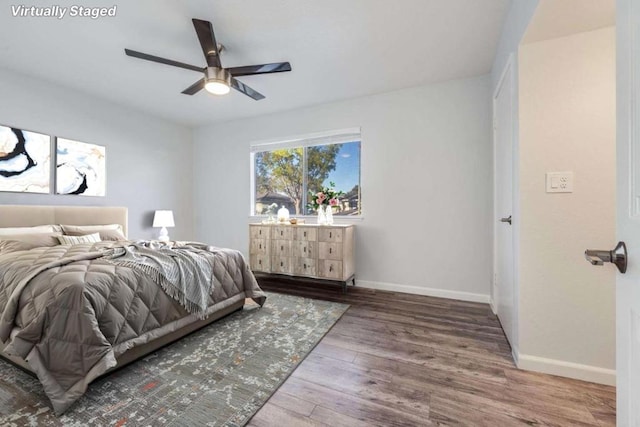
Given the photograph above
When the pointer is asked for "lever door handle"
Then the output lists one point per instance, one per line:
(506, 219)
(617, 256)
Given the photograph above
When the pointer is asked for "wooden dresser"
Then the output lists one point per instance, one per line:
(315, 251)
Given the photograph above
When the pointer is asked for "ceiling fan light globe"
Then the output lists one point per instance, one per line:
(217, 87)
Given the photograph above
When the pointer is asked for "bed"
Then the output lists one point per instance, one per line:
(69, 315)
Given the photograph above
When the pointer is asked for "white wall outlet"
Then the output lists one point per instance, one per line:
(559, 182)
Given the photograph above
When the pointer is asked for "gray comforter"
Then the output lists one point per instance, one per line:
(69, 313)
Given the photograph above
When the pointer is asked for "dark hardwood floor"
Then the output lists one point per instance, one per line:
(404, 360)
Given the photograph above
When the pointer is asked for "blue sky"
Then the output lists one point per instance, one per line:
(347, 173)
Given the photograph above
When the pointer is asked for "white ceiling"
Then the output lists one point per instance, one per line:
(338, 49)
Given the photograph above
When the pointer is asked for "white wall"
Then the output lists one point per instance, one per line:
(148, 159)
(426, 183)
(567, 123)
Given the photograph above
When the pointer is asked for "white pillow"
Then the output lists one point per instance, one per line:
(76, 240)
(8, 231)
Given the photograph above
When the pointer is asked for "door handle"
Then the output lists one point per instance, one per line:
(617, 256)
(506, 219)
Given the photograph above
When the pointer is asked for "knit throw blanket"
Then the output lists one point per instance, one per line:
(184, 273)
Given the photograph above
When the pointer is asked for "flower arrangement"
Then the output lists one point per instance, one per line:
(328, 196)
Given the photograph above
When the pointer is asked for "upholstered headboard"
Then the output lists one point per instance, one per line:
(31, 215)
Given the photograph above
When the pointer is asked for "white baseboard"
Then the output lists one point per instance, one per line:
(566, 369)
(419, 290)
(515, 354)
(492, 301)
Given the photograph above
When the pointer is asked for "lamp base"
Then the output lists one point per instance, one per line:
(164, 235)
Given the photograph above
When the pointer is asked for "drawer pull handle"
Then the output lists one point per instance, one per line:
(330, 234)
(260, 245)
(331, 268)
(281, 247)
(281, 232)
(281, 264)
(305, 234)
(305, 266)
(305, 249)
(260, 261)
(330, 249)
(260, 232)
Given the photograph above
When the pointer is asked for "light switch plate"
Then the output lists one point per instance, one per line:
(559, 182)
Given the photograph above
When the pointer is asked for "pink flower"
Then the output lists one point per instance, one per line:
(333, 202)
(321, 197)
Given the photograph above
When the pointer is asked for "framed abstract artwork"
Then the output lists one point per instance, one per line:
(25, 161)
(80, 168)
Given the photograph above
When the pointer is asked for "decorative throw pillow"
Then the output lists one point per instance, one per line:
(76, 240)
(107, 232)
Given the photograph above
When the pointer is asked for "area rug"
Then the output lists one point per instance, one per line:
(218, 376)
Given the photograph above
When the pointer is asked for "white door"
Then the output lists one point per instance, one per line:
(628, 211)
(503, 291)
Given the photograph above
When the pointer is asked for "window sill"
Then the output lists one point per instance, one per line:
(311, 219)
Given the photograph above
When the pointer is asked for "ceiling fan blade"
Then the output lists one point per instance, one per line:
(152, 58)
(249, 70)
(194, 88)
(241, 87)
(207, 39)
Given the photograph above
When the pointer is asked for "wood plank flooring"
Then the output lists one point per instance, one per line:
(404, 360)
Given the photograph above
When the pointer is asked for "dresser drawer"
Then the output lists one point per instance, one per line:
(260, 263)
(331, 234)
(259, 231)
(305, 267)
(305, 249)
(258, 246)
(309, 234)
(281, 265)
(330, 269)
(281, 248)
(330, 251)
(282, 232)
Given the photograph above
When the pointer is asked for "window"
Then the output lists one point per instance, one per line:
(284, 173)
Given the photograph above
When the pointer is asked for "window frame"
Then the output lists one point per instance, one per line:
(303, 141)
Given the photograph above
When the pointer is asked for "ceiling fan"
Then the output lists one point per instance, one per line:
(217, 80)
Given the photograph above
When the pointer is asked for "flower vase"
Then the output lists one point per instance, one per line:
(329, 215)
(322, 219)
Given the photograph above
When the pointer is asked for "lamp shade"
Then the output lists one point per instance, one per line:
(163, 219)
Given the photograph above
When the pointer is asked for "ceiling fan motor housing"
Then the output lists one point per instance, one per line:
(213, 74)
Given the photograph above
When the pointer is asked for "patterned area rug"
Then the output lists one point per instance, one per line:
(218, 376)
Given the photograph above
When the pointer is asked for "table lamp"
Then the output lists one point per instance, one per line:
(163, 219)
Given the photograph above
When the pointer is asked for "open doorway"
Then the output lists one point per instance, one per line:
(564, 162)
